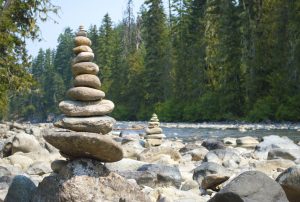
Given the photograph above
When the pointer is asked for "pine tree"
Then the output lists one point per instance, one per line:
(156, 61)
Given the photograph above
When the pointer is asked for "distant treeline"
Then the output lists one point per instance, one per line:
(201, 60)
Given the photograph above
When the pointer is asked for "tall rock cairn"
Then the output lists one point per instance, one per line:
(154, 135)
(85, 113)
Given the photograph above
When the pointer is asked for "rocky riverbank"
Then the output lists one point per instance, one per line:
(203, 170)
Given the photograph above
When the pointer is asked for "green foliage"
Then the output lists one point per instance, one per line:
(18, 21)
(210, 60)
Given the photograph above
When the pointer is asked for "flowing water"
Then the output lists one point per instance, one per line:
(196, 131)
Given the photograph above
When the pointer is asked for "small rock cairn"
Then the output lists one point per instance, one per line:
(154, 135)
(85, 123)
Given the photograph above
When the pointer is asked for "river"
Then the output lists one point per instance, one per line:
(195, 131)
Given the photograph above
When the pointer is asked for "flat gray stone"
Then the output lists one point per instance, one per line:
(87, 80)
(85, 94)
(84, 57)
(84, 145)
(85, 68)
(82, 41)
(94, 108)
(97, 124)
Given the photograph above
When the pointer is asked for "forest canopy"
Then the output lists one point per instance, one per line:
(200, 60)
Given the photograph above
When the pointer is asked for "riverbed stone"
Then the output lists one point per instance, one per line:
(93, 108)
(84, 145)
(84, 57)
(153, 154)
(247, 141)
(225, 157)
(24, 142)
(85, 94)
(85, 68)
(82, 41)
(21, 189)
(212, 144)
(218, 173)
(96, 124)
(251, 186)
(82, 48)
(87, 80)
(85, 180)
(290, 182)
(273, 142)
(167, 175)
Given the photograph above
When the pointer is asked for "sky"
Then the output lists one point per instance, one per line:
(78, 12)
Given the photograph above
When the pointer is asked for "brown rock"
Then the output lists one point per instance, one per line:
(85, 94)
(80, 49)
(78, 108)
(87, 80)
(82, 41)
(84, 145)
(85, 68)
(84, 57)
(96, 124)
(85, 180)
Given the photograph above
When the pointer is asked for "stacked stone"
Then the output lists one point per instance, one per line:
(85, 112)
(154, 135)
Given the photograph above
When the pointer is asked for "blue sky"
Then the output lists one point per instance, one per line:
(76, 12)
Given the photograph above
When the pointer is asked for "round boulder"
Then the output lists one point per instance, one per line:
(290, 182)
(251, 186)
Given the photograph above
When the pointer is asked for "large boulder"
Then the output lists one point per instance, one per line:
(286, 153)
(209, 175)
(132, 148)
(198, 154)
(23, 142)
(273, 142)
(212, 144)
(251, 186)
(84, 145)
(225, 157)
(290, 182)
(84, 180)
(165, 175)
(21, 189)
(247, 141)
(153, 154)
(272, 166)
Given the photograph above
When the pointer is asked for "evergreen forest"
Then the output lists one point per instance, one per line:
(192, 60)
